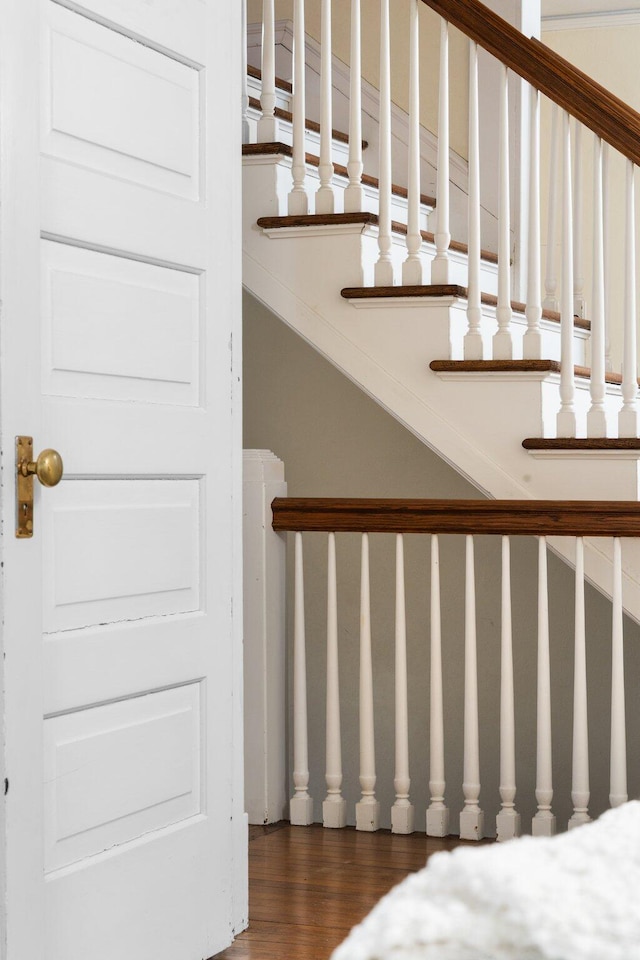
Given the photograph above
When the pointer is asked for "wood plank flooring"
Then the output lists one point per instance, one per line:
(308, 886)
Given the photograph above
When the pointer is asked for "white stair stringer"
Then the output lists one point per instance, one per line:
(475, 422)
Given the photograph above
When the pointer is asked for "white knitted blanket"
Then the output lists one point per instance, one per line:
(571, 897)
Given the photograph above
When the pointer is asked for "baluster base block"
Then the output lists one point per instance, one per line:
(629, 423)
(543, 825)
(353, 199)
(472, 825)
(502, 346)
(368, 816)
(438, 822)
(473, 347)
(325, 200)
(440, 270)
(402, 818)
(508, 825)
(412, 272)
(298, 203)
(301, 811)
(383, 274)
(532, 346)
(268, 131)
(334, 814)
(578, 819)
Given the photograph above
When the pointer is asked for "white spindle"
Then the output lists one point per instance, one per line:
(402, 812)
(544, 822)
(508, 820)
(334, 808)
(566, 420)
(298, 200)
(597, 417)
(628, 420)
(580, 766)
(384, 267)
(551, 279)
(578, 265)
(502, 342)
(325, 200)
(471, 817)
(301, 805)
(354, 194)
(412, 271)
(473, 347)
(532, 342)
(368, 809)
(245, 87)
(606, 220)
(618, 782)
(440, 267)
(437, 812)
(268, 122)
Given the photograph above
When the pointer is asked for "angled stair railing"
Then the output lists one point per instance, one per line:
(441, 519)
(427, 259)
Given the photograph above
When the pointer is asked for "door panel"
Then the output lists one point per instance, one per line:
(120, 690)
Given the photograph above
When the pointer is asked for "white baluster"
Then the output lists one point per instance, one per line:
(597, 416)
(580, 766)
(268, 131)
(473, 346)
(440, 267)
(628, 421)
(502, 342)
(412, 271)
(325, 200)
(471, 817)
(334, 808)
(383, 274)
(578, 265)
(298, 200)
(566, 419)
(618, 782)
(301, 805)
(551, 280)
(246, 136)
(354, 194)
(508, 820)
(437, 812)
(544, 822)
(402, 812)
(532, 342)
(368, 809)
(606, 220)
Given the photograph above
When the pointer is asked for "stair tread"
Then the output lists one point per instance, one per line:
(313, 125)
(280, 84)
(364, 217)
(447, 290)
(285, 149)
(515, 366)
(581, 443)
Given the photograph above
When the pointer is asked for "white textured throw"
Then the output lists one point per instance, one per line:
(571, 897)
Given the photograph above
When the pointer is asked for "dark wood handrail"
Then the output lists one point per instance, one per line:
(607, 115)
(567, 518)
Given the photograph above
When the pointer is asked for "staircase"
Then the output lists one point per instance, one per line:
(479, 378)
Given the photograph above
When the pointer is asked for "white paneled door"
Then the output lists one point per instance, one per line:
(120, 297)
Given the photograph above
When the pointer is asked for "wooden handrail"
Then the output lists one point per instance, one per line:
(607, 115)
(569, 518)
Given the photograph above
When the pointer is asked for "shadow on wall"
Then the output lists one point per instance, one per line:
(336, 441)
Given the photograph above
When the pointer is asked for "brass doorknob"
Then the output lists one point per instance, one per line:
(48, 468)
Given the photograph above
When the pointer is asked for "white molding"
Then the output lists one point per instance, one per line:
(590, 21)
(568, 454)
(370, 99)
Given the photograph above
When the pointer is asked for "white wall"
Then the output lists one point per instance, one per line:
(335, 441)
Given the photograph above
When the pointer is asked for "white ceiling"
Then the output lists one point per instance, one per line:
(566, 8)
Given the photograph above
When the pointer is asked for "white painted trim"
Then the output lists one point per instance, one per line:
(370, 99)
(567, 454)
(591, 21)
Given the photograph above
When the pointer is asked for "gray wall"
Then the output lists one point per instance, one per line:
(335, 441)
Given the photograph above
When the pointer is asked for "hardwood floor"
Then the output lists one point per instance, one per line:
(308, 886)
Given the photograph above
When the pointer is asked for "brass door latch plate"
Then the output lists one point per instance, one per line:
(47, 468)
(24, 488)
